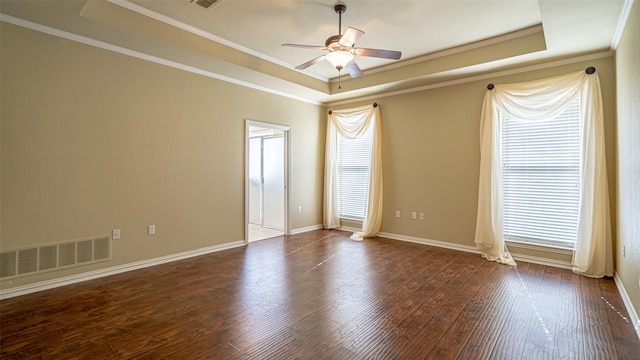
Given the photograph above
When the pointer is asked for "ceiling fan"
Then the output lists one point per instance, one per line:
(342, 50)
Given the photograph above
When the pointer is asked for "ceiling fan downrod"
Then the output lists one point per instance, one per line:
(340, 9)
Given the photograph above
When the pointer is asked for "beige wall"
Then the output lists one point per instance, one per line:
(93, 140)
(431, 154)
(628, 91)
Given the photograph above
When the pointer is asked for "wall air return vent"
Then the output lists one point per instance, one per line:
(206, 3)
(37, 259)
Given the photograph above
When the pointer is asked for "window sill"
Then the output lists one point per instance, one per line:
(351, 219)
(539, 247)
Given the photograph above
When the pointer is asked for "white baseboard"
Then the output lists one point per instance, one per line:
(417, 240)
(628, 304)
(67, 280)
(306, 229)
(473, 249)
(437, 243)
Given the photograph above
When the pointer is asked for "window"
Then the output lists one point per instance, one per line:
(544, 172)
(541, 178)
(354, 159)
(353, 170)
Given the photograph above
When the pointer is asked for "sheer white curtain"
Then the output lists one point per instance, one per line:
(351, 124)
(543, 100)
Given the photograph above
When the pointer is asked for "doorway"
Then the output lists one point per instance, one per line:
(266, 180)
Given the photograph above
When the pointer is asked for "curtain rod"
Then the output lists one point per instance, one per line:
(374, 105)
(590, 70)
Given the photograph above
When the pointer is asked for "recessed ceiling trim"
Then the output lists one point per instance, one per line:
(458, 49)
(197, 31)
(136, 54)
(419, 73)
(484, 76)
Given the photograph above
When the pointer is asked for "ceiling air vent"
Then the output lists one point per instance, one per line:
(205, 3)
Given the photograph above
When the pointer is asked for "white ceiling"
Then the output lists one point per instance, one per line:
(240, 40)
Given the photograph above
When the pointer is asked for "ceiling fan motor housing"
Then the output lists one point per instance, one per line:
(332, 40)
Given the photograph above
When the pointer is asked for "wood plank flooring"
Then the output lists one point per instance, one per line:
(319, 295)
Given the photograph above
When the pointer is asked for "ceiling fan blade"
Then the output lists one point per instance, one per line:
(310, 62)
(386, 54)
(350, 37)
(313, 47)
(353, 69)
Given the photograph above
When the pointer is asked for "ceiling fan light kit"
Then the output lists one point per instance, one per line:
(342, 51)
(339, 58)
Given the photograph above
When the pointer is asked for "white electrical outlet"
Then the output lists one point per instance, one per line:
(397, 213)
(115, 234)
(152, 230)
(414, 215)
(422, 216)
(299, 209)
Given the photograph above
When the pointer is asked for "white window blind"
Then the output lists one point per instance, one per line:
(354, 159)
(541, 178)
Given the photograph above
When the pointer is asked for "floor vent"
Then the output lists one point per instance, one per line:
(32, 260)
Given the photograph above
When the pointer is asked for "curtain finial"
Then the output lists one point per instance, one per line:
(590, 70)
(490, 87)
(330, 112)
(375, 105)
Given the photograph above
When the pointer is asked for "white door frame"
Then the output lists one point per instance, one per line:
(286, 130)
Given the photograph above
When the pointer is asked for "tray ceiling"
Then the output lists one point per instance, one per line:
(240, 40)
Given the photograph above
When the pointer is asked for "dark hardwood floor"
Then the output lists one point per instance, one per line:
(319, 295)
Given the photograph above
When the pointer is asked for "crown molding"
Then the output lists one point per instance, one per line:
(378, 95)
(458, 49)
(140, 55)
(197, 31)
(622, 23)
(483, 76)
